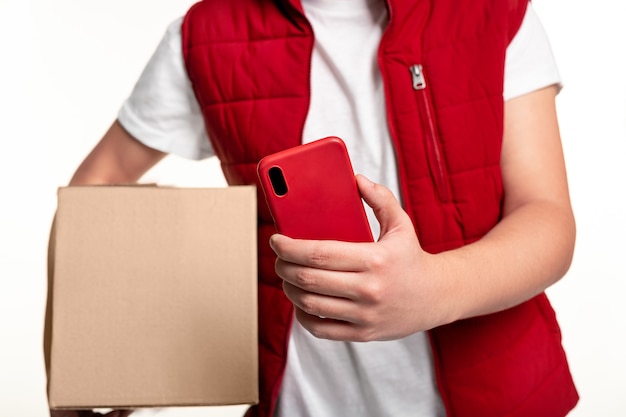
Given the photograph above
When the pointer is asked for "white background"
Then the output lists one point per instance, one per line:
(67, 65)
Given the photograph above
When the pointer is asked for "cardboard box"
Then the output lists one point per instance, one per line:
(153, 297)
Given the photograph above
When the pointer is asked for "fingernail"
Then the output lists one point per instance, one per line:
(367, 180)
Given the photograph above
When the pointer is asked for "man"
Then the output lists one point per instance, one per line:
(447, 109)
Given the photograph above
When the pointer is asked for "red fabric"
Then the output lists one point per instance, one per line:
(249, 63)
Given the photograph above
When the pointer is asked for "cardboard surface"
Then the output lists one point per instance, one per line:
(154, 297)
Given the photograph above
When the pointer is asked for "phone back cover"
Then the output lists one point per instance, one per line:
(322, 200)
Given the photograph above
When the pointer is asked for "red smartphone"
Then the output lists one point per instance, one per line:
(312, 193)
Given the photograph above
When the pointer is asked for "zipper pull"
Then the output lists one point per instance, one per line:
(419, 82)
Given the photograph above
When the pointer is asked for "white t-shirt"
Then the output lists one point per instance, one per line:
(327, 378)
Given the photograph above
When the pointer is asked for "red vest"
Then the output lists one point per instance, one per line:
(249, 63)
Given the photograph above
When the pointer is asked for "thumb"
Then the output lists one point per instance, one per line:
(387, 209)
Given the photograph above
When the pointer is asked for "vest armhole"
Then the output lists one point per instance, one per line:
(516, 16)
(185, 32)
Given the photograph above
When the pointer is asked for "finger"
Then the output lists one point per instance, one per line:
(322, 254)
(321, 281)
(322, 305)
(387, 208)
(119, 413)
(331, 329)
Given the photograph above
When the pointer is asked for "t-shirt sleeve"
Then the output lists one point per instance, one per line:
(530, 63)
(161, 111)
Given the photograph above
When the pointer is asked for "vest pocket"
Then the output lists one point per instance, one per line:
(432, 140)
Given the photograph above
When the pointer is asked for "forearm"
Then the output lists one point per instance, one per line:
(117, 159)
(529, 250)
(532, 246)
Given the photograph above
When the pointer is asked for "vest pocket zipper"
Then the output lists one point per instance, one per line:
(431, 134)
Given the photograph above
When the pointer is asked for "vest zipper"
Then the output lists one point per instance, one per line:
(431, 134)
(419, 83)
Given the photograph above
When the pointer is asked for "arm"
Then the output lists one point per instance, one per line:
(117, 159)
(392, 288)
(532, 247)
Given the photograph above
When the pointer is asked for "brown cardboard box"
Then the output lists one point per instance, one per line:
(153, 297)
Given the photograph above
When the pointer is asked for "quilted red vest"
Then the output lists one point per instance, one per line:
(442, 65)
